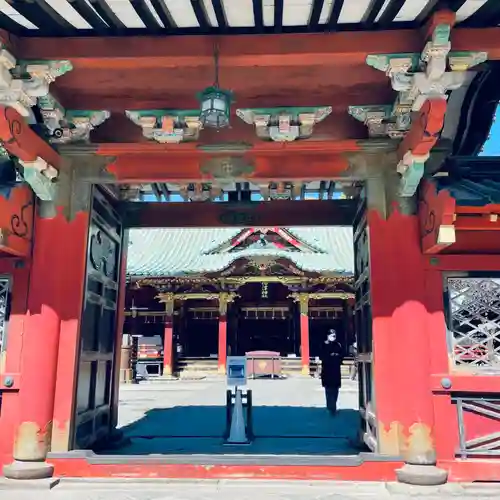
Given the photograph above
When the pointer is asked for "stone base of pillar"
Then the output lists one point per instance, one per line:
(28, 470)
(422, 475)
(305, 370)
(221, 370)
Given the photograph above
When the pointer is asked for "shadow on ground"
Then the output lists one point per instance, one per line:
(278, 430)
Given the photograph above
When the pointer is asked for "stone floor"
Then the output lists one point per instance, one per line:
(243, 490)
(189, 417)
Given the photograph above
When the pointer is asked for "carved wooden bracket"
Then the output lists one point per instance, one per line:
(303, 301)
(64, 126)
(415, 149)
(284, 124)
(22, 83)
(422, 82)
(168, 126)
(437, 214)
(225, 298)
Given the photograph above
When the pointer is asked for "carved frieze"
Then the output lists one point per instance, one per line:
(228, 168)
(280, 191)
(168, 126)
(284, 124)
(65, 126)
(200, 191)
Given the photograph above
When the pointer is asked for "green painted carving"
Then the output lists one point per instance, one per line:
(43, 187)
(284, 123)
(441, 34)
(41, 69)
(168, 125)
(394, 63)
(462, 61)
(410, 179)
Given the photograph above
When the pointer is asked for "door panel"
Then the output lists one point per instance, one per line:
(363, 327)
(99, 322)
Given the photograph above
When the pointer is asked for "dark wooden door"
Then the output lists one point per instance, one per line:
(363, 326)
(94, 395)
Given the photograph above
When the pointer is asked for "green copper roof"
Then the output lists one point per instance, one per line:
(181, 252)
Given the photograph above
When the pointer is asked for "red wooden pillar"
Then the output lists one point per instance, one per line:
(225, 298)
(222, 354)
(401, 346)
(303, 300)
(168, 339)
(47, 295)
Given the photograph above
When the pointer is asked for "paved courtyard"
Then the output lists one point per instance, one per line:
(189, 417)
(245, 490)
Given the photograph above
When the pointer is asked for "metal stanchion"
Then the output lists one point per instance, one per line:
(244, 400)
(249, 407)
(229, 412)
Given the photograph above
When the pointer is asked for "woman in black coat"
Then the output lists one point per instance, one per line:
(331, 363)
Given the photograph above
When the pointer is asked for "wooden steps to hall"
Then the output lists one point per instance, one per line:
(206, 367)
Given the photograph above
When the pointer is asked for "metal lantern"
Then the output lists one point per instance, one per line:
(215, 107)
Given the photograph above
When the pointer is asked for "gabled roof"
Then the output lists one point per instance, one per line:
(184, 252)
(173, 17)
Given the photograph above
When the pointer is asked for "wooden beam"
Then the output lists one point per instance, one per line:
(305, 161)
(244, 50)
(19, 139)
(275, 213)
(237, 51)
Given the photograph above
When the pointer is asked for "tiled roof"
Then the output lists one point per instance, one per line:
(470, 193)
(180, 252)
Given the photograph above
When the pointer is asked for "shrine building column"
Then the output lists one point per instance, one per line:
(54, 301)
(225, 298)
(401, 337)
(168, 299)
(303, 301)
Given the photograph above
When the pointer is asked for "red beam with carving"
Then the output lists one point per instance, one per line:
(16, 222)
(264, 162)
(19, 140)
(435, 210)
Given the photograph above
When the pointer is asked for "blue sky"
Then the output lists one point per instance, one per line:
(492, 145)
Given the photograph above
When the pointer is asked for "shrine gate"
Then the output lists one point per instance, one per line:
(374, 114)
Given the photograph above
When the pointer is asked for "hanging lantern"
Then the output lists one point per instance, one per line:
(215, 102)
(215, 107)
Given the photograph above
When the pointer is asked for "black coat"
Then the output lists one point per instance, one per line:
(331, 362)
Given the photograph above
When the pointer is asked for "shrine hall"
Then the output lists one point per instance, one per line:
(213, 292)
